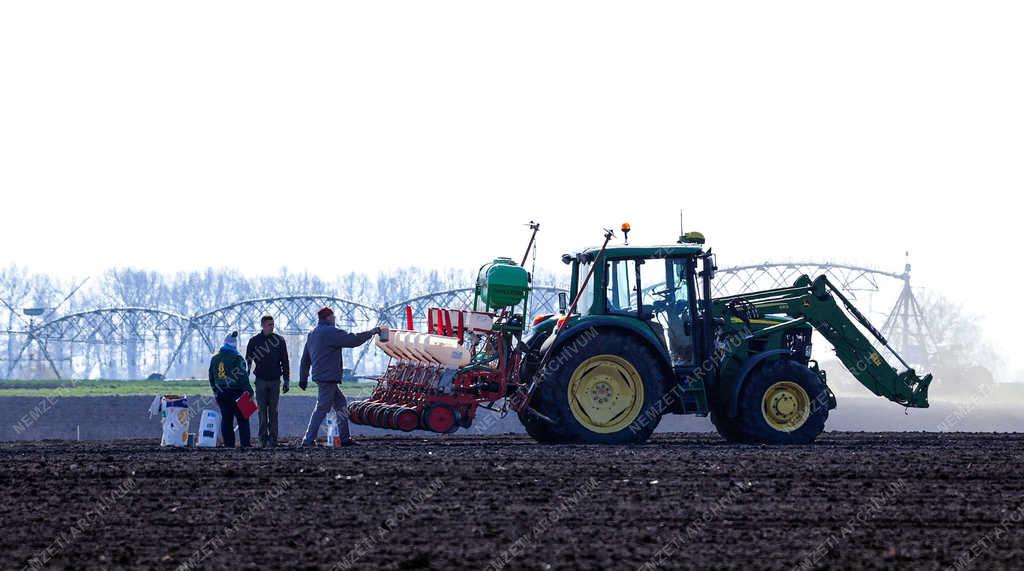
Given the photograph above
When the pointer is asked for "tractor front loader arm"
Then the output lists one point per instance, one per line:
(816, 303)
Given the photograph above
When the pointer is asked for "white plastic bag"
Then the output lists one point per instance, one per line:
(209, 429)
(154, 407)
(174, 411)
(332, 428)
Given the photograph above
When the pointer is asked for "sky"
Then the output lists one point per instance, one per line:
(335, 137)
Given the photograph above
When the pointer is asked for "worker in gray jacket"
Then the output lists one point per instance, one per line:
(322, 355)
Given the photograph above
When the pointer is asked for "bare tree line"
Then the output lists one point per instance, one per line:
(188, 293)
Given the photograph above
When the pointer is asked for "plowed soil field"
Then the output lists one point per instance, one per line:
(865, 500)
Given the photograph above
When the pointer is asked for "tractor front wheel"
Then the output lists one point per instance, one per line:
(605, 390)
(783, 402)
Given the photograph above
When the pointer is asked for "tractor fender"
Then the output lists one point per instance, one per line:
(595, 324)
(539, 334)
(748, 367)
(534, 342)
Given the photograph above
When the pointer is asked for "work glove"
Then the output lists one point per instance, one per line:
(284, 388)
(303, 383)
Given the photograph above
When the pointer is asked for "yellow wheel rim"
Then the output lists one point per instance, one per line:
(786, 406)
(606, 393)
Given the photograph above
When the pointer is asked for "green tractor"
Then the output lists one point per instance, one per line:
(643, 337)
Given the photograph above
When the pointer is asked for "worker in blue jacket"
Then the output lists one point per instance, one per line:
(323, 358)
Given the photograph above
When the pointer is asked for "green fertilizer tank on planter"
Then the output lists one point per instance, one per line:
(502, 283)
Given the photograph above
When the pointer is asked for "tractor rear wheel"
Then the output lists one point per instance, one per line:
(607, 390)
(783, 402)
(535, 426)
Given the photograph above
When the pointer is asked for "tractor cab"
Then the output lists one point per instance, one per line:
(653, 284)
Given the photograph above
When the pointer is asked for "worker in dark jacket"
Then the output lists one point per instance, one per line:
(229, 378)
(269, 352)
(322, 356)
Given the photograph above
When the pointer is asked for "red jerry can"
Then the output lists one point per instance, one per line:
(246, 405)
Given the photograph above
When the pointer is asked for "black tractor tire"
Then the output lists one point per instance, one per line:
(535, 426)
(725, 426)
(632, 425)
(532, 358)
(778, 378)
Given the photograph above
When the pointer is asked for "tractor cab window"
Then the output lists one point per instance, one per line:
(587, 295)
(621, 289)
(666, 296)
(656, 291)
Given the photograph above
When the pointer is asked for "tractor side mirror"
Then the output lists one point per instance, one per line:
(563, 301)
(709, 265)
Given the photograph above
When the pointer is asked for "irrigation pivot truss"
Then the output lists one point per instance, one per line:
(131, 342)
(770, 275)
(905, 325)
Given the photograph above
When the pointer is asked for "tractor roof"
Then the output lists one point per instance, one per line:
(666, 251)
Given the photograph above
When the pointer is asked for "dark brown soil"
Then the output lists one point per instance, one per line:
(684, 500)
